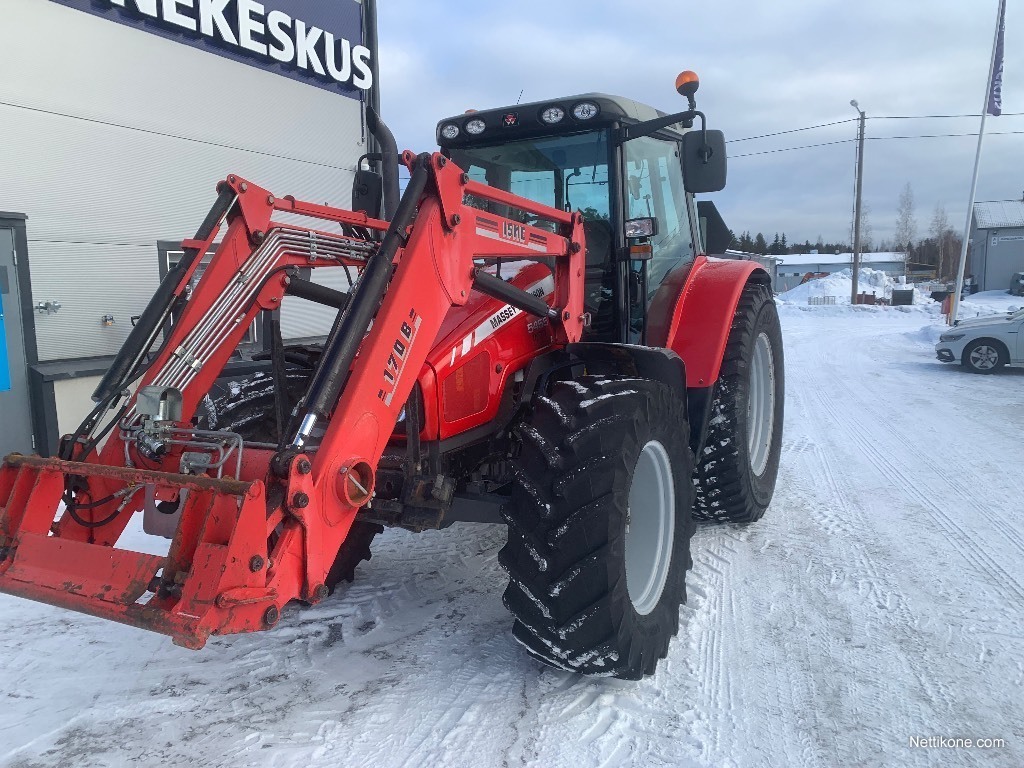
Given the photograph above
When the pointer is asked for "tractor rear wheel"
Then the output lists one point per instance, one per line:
(599, 526)
(248, 409)
(735, 476)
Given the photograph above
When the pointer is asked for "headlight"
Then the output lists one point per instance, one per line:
(951, 336)
(585, 110)
(476, 127)
(552, 115)
(450, 131)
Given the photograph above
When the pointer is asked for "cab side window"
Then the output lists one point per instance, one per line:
(655, 189)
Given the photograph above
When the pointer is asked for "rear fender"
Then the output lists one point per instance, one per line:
(703, 315)
(655, 363)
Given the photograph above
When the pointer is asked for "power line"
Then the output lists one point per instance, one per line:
(935, 117)
(794, 130)
(945, 135)
(875, 138)
(792, 149)
(152, 132)
(854, 119)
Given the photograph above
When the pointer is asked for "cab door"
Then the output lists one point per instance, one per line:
(654, 188)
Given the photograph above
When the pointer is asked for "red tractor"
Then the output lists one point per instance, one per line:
(532, 336)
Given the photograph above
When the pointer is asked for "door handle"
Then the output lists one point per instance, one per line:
(49, 307)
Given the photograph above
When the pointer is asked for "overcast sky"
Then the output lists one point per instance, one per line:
(764, 67)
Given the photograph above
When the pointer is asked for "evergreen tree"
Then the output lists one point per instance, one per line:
(760, 245)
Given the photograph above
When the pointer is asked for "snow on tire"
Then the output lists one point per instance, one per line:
(599, 526)
(735, 479)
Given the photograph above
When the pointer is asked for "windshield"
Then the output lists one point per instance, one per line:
(566, 172)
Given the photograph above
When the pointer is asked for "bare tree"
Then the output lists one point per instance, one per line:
(866, 240)
(906, 222)
(939, 231)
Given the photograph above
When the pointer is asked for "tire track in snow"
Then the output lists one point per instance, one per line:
(940, 474)
(970, 546)
(936, 636)
(830, 500)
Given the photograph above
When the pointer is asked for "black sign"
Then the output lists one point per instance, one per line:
(315, 41)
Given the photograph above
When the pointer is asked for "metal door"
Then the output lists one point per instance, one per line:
(15, 413)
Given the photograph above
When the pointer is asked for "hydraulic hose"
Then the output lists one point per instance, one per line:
(352, 322)
(389, 163)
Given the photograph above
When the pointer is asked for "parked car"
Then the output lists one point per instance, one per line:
(984, 344)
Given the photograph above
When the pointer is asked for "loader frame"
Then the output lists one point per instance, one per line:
(245, 545)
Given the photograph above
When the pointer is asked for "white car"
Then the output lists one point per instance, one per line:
(984, 344)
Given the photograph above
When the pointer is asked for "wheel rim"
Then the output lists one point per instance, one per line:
(761, 404)
(984, 358)
(650, 527)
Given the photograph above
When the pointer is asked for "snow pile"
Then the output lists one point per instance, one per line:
(840, 284)
(989, 303)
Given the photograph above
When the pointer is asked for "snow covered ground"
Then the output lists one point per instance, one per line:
(881, 598)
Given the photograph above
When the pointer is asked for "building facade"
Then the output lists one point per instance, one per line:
(117, 120)
(997, 243)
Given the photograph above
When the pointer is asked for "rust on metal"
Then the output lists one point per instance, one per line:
(131, 475)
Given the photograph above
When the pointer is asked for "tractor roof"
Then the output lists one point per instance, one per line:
(524, 120)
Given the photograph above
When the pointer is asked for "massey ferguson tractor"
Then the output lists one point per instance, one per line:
(533, 335)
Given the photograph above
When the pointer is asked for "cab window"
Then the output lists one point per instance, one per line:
(654, 188)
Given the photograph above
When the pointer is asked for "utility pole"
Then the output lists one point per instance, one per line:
(856, 205)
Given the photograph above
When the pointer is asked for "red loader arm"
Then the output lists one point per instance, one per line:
(246, 546)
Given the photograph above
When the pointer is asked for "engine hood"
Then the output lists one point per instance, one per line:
(996, 321)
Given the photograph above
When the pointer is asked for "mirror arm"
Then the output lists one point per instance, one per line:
(705, 150)
(648, 127)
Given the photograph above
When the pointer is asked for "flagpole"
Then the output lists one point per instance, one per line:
(954, 307)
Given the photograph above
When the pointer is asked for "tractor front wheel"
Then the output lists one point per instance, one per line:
(599, 528)
(735, 477)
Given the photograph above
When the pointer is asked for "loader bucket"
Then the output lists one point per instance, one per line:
(208, 583)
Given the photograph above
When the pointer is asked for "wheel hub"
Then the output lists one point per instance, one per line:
(761, 404)
(984, 358)
(650, 527)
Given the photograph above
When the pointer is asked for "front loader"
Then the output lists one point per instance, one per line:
(532, 336)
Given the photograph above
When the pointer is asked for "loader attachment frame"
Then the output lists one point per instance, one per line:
(244, 546)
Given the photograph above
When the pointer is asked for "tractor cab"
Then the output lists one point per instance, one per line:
(630, 169)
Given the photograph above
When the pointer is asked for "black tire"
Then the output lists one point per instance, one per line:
(728, 487)
(567, 526)
(248, 409)
(985, 349)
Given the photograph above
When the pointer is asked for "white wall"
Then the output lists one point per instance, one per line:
(99, 196)
(74, 402)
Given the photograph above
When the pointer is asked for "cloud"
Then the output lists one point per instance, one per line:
(764, 67)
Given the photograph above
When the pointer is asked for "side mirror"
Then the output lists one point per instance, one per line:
(704, 161)
(368, 193)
